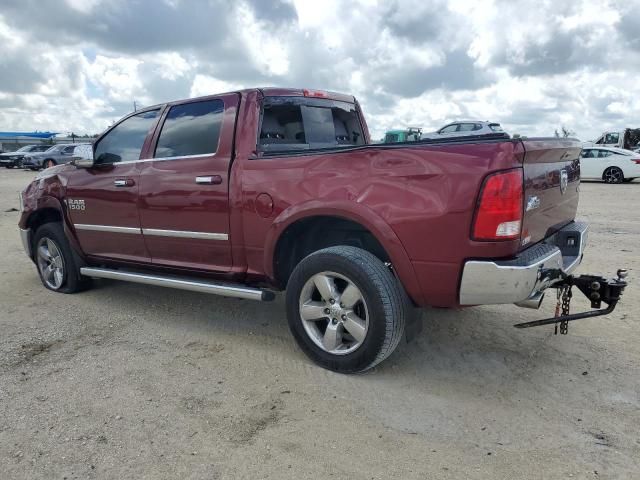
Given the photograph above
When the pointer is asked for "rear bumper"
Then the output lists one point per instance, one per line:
(486, 282)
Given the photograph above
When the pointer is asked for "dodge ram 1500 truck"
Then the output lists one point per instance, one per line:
(246, 193)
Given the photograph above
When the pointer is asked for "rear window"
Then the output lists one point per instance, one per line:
(191, 129)
(496, 127)
(391, 138)
(300, 123)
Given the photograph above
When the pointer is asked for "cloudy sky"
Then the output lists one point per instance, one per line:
(77, 65)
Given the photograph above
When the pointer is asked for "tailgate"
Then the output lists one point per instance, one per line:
(551, 179)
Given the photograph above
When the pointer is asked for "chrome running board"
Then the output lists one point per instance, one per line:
(236, 291)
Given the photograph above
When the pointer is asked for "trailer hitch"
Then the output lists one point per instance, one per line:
(597, 289)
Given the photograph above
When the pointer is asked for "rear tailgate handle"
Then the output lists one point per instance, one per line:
(209, 180)
(124, 182)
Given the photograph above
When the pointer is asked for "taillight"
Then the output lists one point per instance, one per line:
(499, 209)
(636, 160)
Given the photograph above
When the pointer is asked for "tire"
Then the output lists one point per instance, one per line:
(613, 175)
(382, 304)
(9, 166)
(51, 248)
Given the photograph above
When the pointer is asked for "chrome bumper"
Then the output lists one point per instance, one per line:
(25, 236)
(532, 271)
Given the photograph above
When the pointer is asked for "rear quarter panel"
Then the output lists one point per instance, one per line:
(425, 194)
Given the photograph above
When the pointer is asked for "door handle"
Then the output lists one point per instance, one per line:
(124, 182)
(209, 180)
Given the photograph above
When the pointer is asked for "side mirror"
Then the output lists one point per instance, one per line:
(83, 156)
(83, 162)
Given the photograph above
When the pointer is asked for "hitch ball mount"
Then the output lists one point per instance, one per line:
(596, 288)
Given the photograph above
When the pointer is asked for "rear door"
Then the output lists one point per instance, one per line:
(551, 179)
(102, 200)
(184, 185)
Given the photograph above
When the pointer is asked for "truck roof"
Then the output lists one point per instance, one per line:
(270, 92)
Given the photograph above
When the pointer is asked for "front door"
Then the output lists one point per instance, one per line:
(102, 200)
(184, 185)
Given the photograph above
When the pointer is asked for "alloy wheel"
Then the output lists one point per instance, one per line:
(50, 263)
(613, 175)
(334, 313)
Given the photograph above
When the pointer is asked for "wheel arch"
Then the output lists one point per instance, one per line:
(50, 209)
(354, 215)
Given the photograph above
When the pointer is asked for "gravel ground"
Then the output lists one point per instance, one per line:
(133, 381)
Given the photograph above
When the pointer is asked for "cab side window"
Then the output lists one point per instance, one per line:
(124, 142)
(611, 138)
(587, 154)
(191, 129)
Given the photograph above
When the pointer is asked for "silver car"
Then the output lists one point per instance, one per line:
(56, 155)
(464, 129)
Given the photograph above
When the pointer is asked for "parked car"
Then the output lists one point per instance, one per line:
(244, 193)
(627, 139)
(613, 165)
(464, 128)
(14, 159)
(56, 155)
(411, 134)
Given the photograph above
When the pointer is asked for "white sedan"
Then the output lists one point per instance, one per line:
(613, 165)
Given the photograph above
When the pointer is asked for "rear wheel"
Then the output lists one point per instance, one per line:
(613, 175)
(57, 265)
(346, 309)
(9, 166)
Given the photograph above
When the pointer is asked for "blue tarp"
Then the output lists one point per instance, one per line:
(27, 134)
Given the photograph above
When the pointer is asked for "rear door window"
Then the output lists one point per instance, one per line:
(301, 123)
(191, 129)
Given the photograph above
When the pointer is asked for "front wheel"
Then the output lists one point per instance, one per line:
(57, 266)
(613, 175)
(346, 309)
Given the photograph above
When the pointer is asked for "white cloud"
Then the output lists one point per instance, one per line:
(531, 65)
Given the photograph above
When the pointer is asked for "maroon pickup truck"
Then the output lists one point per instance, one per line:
(246, 193)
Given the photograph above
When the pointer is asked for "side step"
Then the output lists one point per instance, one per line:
(226, 290)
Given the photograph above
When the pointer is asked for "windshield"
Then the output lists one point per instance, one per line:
(24, 149)
(52, 149)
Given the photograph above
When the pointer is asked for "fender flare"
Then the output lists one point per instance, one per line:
(354, 212)
(55, 203)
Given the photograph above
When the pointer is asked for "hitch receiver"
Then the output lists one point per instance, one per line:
(597, 289)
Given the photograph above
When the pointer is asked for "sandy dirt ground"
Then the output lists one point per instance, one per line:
(133, 381)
